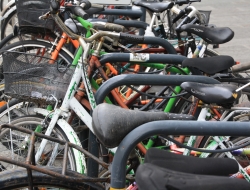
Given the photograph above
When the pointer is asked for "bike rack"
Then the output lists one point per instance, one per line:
(148, 79)
(118, 170)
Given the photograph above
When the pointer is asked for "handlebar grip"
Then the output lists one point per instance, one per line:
(181, 13)
(114, 27)
(240, 67)
(54, 6)
(182, 2)
(129, 38)
(80, 12)
(86, 4)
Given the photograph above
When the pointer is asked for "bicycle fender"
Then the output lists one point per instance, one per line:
(12, 9)
(73, 138)
(7, 6)
(41, 111)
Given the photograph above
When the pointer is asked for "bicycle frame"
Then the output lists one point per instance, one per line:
(217, 142)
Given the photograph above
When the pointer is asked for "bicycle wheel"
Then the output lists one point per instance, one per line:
(8, 24)
(15, 108)
(14, 144)
(18, 179)
(12, 38)
(40, 48)
(2, 4)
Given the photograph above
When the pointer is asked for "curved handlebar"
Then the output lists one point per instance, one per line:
(240, 67)
(193, 12)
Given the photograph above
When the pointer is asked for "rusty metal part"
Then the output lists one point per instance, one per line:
(31, 159)
(28, 164)
(79, 178)
(61, 142)
(198, 141)
(65, 158)
(137, 95)
(103, 74)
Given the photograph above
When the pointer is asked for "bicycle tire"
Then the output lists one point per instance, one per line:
(12, 38)
(17, 137)
(11, 110)
(7, 26)
(18, 178)
(32, 44)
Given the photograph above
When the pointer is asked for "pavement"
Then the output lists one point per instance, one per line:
(235, 15)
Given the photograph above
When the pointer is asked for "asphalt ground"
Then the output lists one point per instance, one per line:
(235, 15)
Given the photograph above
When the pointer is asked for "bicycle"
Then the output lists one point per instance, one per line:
(118, 173)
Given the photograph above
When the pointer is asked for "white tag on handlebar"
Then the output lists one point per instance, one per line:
(139, 57)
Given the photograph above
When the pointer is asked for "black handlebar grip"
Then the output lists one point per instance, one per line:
(80, 12)
(181, 13)
(54, 6)
(182, 2)
(240, 67)
(114, 27)
(133, 39)
(87, 4)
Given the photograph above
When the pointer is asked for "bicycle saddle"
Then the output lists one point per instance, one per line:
(210, 65)
(157, 7)
(111, 133)
(218, 35)
(150, 176)
(221, 94)
(190, 164)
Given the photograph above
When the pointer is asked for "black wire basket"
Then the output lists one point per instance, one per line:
(34, 78)
(29, 11)
(205, 15)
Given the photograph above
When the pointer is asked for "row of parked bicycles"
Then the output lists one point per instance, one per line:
(93, 97)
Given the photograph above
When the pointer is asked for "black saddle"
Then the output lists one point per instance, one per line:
(157, 7)
(111, 133)
(210, 65)
(221, 94)
(157, 173)
(190, 164)
(218, 35)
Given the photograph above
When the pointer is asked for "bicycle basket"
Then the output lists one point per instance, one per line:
(34, 78)
(205, 15)
(29, 11)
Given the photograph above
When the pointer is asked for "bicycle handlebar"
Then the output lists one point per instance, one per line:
(80, 12)
(181, 13)
(182, 2)
(240, 67)
(75, 36)
(109, 26)
(192, 13)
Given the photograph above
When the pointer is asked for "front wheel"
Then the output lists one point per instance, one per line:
(14, 144)
(18, 179)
